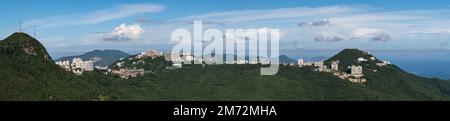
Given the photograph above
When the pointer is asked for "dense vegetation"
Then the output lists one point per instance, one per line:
(25, 76)
(31, 75)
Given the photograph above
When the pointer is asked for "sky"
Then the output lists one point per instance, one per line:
(132, 25)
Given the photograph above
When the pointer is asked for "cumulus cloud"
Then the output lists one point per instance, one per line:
(325, 38)
(124, 33)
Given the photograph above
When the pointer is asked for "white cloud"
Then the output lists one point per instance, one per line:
(95, 17)
(124, 33)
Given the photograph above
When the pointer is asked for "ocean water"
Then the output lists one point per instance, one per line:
(427, 68)
(427, 63)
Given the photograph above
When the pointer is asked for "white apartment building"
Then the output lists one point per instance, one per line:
(356, 71)
(300, 62)
(335, 65)
(78, 66)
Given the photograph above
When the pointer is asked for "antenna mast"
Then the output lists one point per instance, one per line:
(20, 30)
(34, 31)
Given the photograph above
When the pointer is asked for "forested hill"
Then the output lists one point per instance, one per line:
(27, 72)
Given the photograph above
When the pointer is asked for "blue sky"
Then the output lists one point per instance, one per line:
(81, 25)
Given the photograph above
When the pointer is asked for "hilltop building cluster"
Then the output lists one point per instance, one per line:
(149, 53)
(78, 66)
(127, 73)
(353, 73)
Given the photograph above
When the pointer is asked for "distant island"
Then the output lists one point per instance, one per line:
(29, 73)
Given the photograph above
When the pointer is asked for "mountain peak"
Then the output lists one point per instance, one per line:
(353, 51)
(348, 57)
(26, 43)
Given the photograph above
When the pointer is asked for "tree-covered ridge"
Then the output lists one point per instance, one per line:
(29, 75)
(26, 43)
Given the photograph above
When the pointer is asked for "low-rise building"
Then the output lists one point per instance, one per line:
(64, 64)
(384, 63)
(188, 57)
(127, 73)
(318, 64)
(357, 80)
(241, 62)
(361, 59)
(253, 61)
(174, 57)
(119, 64)
(149, 53)
(177, 65)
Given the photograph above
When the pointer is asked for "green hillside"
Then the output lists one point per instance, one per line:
(28, 73)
